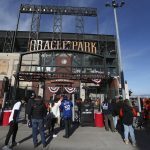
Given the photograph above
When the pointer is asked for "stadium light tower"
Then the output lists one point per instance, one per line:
(114, 4)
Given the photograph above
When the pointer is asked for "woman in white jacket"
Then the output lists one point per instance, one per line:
(55, 111)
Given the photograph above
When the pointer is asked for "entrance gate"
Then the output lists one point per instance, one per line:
(56, 68)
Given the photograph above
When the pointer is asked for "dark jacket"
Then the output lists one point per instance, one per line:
(29, 105)
(106, 108)
(38, 110)
(127, 115)
(115, 109)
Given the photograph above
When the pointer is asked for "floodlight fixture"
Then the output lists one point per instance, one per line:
(115, 4)
(107, 4)
(122, 4)
(63, 10)
(113, 1)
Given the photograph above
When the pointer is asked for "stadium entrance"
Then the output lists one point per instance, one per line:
(60, 71)
(56, 62)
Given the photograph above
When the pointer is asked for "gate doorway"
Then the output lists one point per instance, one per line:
(54, 68)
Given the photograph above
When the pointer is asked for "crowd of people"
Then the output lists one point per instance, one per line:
(119, 115)
(41, 117)
(122, 115)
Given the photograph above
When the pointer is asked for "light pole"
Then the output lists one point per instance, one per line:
(114, 4)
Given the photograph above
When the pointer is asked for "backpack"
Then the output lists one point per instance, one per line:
(132, 113)
(38, 108)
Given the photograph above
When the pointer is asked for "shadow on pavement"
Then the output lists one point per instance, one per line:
(49, 137)
(25, 139)
(74, 127)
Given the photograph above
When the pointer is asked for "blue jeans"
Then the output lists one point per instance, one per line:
(38, 126)
(115, 120)
(127, 130)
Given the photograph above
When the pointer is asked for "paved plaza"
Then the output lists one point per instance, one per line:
(82, 138)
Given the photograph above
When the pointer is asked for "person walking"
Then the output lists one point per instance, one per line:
(36, 114)
(107, 111)
(13, 126)
(115, 111)
(30, 102)
(127, 114)
(55, 113)
(66, 107)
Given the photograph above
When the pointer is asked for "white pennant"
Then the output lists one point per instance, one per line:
(53, 89)
(97, 81)
(70, 89)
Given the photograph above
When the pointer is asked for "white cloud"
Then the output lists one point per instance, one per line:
(8, 16)
(69, 22)
(24, 24)
(133, 55)
(80, 3)
(9, 13)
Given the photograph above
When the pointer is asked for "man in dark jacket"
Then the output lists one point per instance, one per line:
(30, 102)
(36, 114)
(66, 108)
(107, 111)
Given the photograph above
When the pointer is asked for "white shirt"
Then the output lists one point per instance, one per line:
(16, 106)
(55, 109)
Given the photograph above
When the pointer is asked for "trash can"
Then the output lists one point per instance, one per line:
(99, 121)
(87, 115)
(6, 115)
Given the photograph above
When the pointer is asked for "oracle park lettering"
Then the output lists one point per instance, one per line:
(38, 45)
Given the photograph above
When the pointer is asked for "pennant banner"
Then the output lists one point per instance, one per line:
(53, 89)
(97, 81)
(70, 89)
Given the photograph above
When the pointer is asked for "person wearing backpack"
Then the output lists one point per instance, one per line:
(107, 112)
(37, 114)
(127, 114)
(30, 102)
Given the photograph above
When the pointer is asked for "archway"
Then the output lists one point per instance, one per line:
(66, 68)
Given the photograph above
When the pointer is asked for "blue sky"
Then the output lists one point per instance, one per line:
(134, 28)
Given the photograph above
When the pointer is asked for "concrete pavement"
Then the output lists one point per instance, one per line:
(82, 138)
